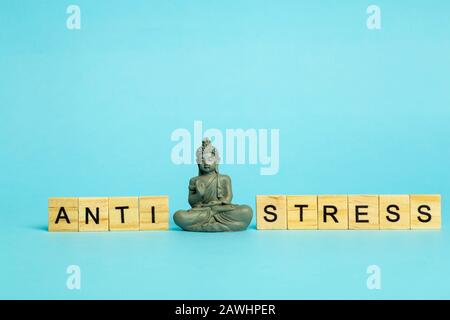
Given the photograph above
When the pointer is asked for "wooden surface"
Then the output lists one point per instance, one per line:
(338, 201)
(430, 204)
(309, 213)
(271, 212)
(154, 212)
(130, 215)
(93, 204)
(70, 207)
(394, 212)
(368, 217)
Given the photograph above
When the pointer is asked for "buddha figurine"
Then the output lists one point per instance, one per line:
(210, 197)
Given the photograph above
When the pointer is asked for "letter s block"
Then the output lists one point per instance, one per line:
(425, 211)
(63, 214)
(271, 212)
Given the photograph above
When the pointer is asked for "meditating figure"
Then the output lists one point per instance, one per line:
(210, 197)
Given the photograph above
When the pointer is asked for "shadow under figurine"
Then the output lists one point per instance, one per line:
(210, 197)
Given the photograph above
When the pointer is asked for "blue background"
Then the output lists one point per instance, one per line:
(90, 112)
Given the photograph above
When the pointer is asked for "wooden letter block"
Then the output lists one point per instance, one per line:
(63, 214)
(333, 212)
(425, 211)
(363, 212)
(124, 214)
(93, 214)
(302, 212)
(394, 212)
(154, 213)
(271, 212)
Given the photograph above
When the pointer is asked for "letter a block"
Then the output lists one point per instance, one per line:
(363, 212)
(271, 212)
(63, 214)
(154, 213)
(124, 214)
(394, 212)
(333, 212)
(425, 211)
(302, 212)
(93, 214)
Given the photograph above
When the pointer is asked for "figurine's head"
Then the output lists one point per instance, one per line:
(207, 157)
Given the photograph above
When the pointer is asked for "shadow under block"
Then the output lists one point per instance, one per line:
(425, 211)
(154, 213)
(333, 212)
(271, 212)
(363, 212)
(301, 212)
(93, 214)
(124, 214)
(394, 212)
(63, 214)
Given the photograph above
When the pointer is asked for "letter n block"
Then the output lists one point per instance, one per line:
(425, 211)
(153, 213)
(302, 212)
(394, 212)
(63, 214)
(124, 214)
(93, 214)
(271, 212)
(363, 212)
(333, 212)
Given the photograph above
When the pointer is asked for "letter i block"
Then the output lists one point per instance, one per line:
(124, 214)
(333, 212)
(93, 214)
(153, 213)
(394, 212)
(63, 214)
(425, 211)
(363, 212)
(302, 212)
(271, 212)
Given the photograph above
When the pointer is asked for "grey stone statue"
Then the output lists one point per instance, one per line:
(210, 197)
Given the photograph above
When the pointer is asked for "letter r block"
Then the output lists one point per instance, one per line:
(124, 214)
(425, 211)
(333, 212)
(271, 212)
(63, 214)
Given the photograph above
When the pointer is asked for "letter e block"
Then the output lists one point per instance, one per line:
(271, 212)
(363, 212)
(63, 214)
(394, 212)
(93, 214)
(124, 214)
(153, 213)
(425, 211)
(302, 212)
(333, 212)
